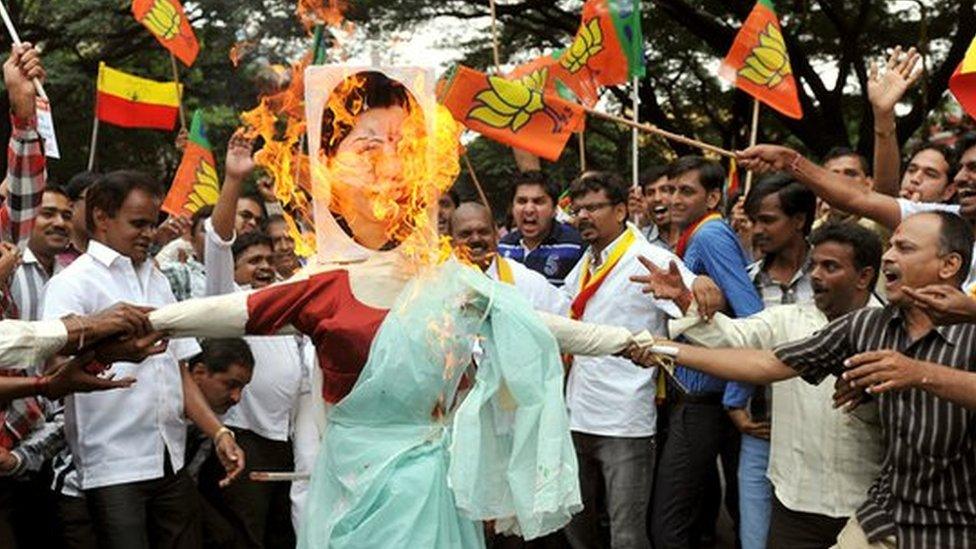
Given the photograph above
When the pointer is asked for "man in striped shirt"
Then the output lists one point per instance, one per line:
(924, 377)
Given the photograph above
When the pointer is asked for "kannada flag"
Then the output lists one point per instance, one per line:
(166, 20)
(133, 102)
(609, 47)
(759, 65)
(962, 83)
(195, 184)
(509, 112)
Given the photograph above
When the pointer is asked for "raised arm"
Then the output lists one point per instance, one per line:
(26, 169)
(884, 92)
(238, 165)
(837, 190)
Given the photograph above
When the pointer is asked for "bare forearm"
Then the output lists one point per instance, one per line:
(196, 406)
(840, 192)
(754, 366)
(225, 210)
(957, 386)
(887, 161)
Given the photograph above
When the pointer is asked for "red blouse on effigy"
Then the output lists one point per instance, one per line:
(324, 308)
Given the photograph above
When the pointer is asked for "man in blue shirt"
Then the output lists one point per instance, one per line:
(539, 241)
(699, 427)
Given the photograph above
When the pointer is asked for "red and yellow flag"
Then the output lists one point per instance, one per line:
(759, 65)
(195, 184)
(962, 83)
(509, 112)
(167, 21)
(133, 102)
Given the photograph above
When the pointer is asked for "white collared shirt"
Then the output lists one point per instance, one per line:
(120, 436)
(280, 365)
(821, 460)
(609, 395)
(534, 287)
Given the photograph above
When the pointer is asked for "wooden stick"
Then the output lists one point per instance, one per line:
(494, 38)
(649, 128)
(15, 38)
(278, 476)
(753, 137)
(94, 142)
(179, 91)
(635, 153)
(477, 184)
(582, 150)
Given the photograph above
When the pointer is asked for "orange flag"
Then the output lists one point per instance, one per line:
(759, 65)
(166, 20)
(195, 184)
(545, 75)
(962, 83)
(509, 112)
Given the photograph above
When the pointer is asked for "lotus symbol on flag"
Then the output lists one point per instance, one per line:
(205, 190)
(588, 43)
(535, 80)
(506, 104)
(768, 62)
(162, 19)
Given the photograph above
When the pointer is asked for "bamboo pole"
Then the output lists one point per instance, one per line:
(94, 141)
(582, 150)
(179, 90)
(494, 38)
(649, 128)
(635, 153)
(474, 178)
(753, 137)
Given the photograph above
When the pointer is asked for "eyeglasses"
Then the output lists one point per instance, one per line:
(588, 208)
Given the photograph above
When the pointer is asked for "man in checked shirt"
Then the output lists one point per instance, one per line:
(923, 375)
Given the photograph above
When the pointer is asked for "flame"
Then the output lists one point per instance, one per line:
(426, 165)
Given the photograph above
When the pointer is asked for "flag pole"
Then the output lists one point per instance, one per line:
(634, 153)
(15, 38)
(94, 142)
(179, 90)
(494, 38)
(753, 136)
(649, 128)
(582, 150)
(474, 177)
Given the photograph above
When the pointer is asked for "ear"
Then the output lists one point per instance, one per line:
(620, 212)
(197, 370)
(864, 278)
(799, 221)
(713, 198)
(950, 190)
(100, 218)
(951, 264)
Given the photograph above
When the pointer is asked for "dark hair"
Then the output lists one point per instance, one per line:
(956, 237)
(245, 241)
(536, 178)
(865, 244)
(79, 182)
(454, 196)
(841, 152)
(218, 354)
(57, 189)
(199, 216)
(111, 190)
(364, 90)
(794, 198)
(608, 182)
(966, 141)
(947, 152)
(253, 196)
(711, 174)
(652, 174)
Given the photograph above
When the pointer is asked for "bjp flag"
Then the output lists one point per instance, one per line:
(759, 65)
(510, 112)
(608, 48)
(166, 20)
(962, 83)
(547, 76)
(133, 102)
(195, 184)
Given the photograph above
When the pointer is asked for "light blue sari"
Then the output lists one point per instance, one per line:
(394, 472)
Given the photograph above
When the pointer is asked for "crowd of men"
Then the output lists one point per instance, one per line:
(824, 393)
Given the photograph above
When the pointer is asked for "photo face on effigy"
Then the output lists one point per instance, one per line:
(365, 127)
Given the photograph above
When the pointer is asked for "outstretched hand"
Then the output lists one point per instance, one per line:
(231, 457)
(886, 88)
(239, 162)
(119, 319)
(131, 349)
(663, 284)
(944, 304)
(72, 377)
(766, 158)
(885, 370)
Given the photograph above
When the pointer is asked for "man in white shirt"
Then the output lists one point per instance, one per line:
(475, 237)
(128, 446)
(822, 460)
(611, 404)
(262, 420)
